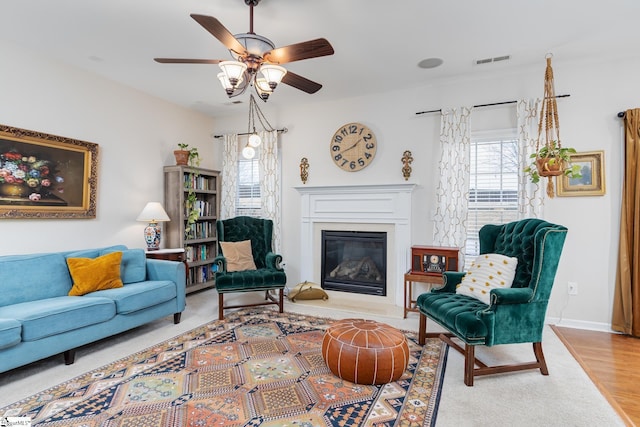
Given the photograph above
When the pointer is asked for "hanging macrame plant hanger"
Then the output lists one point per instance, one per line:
(547, 163)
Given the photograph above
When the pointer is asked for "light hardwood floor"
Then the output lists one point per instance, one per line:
(612, 361)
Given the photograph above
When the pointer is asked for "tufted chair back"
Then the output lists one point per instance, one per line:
(240, 228)
(536, 243)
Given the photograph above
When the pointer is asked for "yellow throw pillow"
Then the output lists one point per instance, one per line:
(238, 255)
(95, 274)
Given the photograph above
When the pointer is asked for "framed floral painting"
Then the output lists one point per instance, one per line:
(46, 176)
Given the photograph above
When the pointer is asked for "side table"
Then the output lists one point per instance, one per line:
(409, 279)
(176, 254)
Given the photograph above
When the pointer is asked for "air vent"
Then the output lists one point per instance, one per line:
(494, 59)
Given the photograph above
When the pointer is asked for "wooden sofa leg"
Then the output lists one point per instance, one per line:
(422, 331)
(469, 364)
(220, 306)
(69, 356)
(176, 318)
(537, 350)
(281, 300)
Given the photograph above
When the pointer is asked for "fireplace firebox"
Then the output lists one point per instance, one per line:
(354, 261)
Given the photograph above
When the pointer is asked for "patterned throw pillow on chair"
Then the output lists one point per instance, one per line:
(488, 271)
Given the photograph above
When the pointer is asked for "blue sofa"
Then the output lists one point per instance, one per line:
(38, 319)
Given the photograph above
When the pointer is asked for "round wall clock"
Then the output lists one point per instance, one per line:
(353, 146)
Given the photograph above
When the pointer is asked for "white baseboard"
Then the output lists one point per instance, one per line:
(580, 324)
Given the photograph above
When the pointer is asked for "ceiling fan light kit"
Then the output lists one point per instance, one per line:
(256, 61)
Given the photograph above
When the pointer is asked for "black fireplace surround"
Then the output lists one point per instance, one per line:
(354, 261)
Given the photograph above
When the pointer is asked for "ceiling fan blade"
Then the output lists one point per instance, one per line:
(186, 61)
(301, 83)
(296, 52)
(219, 31)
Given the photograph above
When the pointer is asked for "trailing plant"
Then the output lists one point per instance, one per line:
(554, 157)
(194, 156)
(192, 212)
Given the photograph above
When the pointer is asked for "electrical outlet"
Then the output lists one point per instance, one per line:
(572, 288)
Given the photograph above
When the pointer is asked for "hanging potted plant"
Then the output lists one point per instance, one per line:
(550, 159)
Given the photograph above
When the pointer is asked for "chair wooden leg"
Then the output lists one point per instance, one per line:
(422, 331)
(220, 306)
(537, 350)
(281, 300)
(469, 364)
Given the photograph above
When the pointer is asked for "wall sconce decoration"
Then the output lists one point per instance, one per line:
(407, 159)
(304, 170)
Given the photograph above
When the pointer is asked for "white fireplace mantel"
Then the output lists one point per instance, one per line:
(358, 204)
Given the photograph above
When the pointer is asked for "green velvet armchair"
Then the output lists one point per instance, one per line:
(267, 276)
(515, 314)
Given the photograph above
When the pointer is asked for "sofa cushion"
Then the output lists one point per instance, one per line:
(140, 295)
(33, 277)
(133, 267)
(10, 332)
(44, 318)
(94, 274)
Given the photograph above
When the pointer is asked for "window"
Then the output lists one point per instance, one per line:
(493, 186)
(248, 200)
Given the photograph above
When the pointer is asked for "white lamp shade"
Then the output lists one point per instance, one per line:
(224, 81)
(273, 74)
(233, 70)
(153, 212)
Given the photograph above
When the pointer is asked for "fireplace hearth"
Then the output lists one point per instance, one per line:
(354, 261)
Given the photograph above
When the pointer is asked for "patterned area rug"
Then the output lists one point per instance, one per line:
(257, 368)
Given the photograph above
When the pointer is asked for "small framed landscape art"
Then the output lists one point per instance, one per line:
(46, 176)
(591, 183)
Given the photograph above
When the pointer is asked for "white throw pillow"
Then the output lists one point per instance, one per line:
(488, 271)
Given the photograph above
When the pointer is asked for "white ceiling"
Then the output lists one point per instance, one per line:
(377, 43)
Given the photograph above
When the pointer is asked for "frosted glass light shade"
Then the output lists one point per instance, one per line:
(248, 152)
(233, 70)
(255, 140)
(273, 74)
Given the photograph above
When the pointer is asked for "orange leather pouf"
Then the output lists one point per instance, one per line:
(365, 351)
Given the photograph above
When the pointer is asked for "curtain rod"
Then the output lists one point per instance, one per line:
(484, 105)
(283, 130)
(621, 114)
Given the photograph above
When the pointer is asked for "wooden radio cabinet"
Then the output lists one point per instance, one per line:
(433, 260)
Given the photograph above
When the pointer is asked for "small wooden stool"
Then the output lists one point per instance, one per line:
(365, 351)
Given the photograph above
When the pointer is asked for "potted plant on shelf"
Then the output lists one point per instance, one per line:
(187, 156)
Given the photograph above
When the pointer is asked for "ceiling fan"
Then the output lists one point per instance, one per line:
(256, 59)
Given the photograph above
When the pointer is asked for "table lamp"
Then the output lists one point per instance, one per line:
(153, 213)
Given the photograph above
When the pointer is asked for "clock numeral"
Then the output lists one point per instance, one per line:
(344, 132)
(337, 138)
(367, 137)
(344, 162)
(361, 161)
(335, 147)
(337, 157)
(370, 145)
(367, 155)
(353, 129)
(352, 165)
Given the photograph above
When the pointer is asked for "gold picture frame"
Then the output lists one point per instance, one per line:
(46, 176)
(592, 182)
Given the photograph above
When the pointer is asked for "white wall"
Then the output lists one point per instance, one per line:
(598, 91)
(136, 135)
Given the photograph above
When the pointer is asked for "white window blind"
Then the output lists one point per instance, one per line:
(493, 186)
(248, 195)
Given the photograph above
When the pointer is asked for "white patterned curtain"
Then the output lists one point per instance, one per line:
(269, 164)
(229, 176)
(530, 195)
(452, 195)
